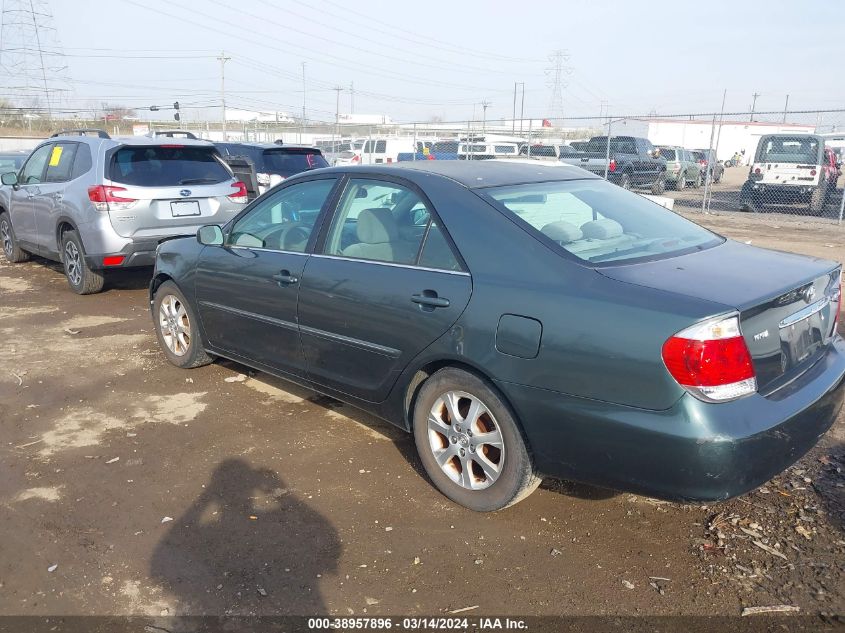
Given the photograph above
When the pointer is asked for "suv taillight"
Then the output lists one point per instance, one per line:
(711, 360)
(240, 196)
(611, 166)
(836, 300)
(105, 198)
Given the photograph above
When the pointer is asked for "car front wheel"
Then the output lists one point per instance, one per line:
(14, 254)
(470, 443)
(176, 328)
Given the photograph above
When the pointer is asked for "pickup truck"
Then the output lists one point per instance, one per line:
(631, 162)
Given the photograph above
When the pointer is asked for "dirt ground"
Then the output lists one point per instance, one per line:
(128, 486)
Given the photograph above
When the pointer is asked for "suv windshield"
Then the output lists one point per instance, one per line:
(167, 166)
(788, 149)
(287, 162)
(599, 222)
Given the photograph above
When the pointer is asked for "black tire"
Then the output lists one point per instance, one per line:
(81, 279)
(658, 188)
(186, 351)
(749, 200)
(14, 254)
(681, 182)
(817, 200)
(625, 181)
(696, 183)
(717, 179)
(515, 478)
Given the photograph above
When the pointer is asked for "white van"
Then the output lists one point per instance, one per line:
(385, 150)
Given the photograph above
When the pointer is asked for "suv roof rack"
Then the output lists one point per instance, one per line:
(82, 132)
(174, 134)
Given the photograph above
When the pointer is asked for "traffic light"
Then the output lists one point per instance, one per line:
(175, 105)
(176, 114)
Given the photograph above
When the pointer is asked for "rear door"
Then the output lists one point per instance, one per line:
(247, 290)
(168, 189)
(30, 181)
(384, 285)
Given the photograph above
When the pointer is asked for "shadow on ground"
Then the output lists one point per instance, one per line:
(247, 545)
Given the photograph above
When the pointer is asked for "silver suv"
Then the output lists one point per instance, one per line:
(96, 203)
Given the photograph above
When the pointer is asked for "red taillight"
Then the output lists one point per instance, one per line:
(356, 158)
(612, 164)
(837, 298)
(812, 172)
(757, 171)
(106, 197)
(430, 157)
(389, 160)
(113, 260)
(172, 146)
(240, 196)
(711, 361)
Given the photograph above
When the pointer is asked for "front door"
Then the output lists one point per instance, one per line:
(47, 203)
(384, 285)
(247, 289)
(22, 210)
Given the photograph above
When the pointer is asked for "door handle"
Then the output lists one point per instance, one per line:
(428, 300)
(284, 278)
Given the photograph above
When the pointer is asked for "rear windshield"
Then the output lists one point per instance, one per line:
(288, 162)
(788, 149)
(599, 222)
(540, 150)
(167, 166)
(668, 154)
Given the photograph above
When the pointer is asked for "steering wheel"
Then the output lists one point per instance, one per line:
(289, 235)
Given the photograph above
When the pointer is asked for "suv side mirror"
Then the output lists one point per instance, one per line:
(210, 235)
(10, 178)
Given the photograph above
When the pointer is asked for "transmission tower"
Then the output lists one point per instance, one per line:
(556, 73)
(33, 68)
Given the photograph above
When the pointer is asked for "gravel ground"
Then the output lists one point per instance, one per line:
(128, 486)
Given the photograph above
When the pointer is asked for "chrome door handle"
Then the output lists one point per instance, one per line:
(284, 278)
(428, 299)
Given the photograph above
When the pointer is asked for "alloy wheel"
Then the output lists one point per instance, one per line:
(73, 263)
(174, 324)
(466, 440)
(6, 235)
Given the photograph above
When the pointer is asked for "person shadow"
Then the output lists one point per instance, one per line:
(246, 546)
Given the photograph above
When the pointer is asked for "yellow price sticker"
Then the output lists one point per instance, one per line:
(56, 156)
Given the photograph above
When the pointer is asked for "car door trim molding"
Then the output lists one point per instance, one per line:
(288, 325)
(460, 273)
(382, 350)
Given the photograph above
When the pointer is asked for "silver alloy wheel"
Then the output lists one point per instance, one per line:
(174, 325)
(466, 440)
(73, 263)
(6, 234)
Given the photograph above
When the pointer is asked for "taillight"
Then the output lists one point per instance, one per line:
(836, 299)
(113, 260)
(240, 196)
(711, 360)
(612, 164)
(356, 158)
(812, 172)
(105, 198)
(757, 171)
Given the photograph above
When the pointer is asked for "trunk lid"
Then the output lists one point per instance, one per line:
(786, 303)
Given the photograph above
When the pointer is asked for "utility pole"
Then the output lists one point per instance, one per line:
(484, 104)
(556, 72)
(337, 90)
(302, 121)
(223, 59)
(351, 97)
(785, 108)
(513, 119)
(754, 104)
(522, 107)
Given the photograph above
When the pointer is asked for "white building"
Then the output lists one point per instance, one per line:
(732, 136)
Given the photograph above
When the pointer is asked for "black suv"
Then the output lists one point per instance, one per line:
(264, 165)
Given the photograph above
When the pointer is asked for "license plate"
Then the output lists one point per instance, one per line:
(186, 207)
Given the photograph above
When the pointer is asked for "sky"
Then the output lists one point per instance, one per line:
(416, 61)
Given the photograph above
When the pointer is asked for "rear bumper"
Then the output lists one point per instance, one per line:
(768, 191)
(136, 254)
(694, 451)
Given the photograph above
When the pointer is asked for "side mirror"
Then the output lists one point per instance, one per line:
(210, 235)
(10, 178)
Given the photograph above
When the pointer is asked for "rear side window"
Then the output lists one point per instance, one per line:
(167, 166)
(82, 163)
(288, 162)
(60, 163)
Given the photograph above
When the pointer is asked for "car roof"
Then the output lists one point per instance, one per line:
(475, 174)
(268, 145)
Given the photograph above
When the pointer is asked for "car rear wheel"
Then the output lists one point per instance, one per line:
(696, 183)
(817, 200)
(176, 328)
(81, 279)
(681, 182)
(659, 186)
(470, 443)
(625, 181)
(14, 254)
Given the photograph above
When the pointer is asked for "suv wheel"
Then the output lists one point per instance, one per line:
(176, 328)
(81, 279)
(817, 200)
(14, 254)
(696, 183)
(625, 181)
(470, 444)
(681, 181)
(659, 186)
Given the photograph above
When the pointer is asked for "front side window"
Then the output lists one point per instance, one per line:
(284, 220)
(598, 222)
(167, 166)
(33, 172)
(387, 222)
